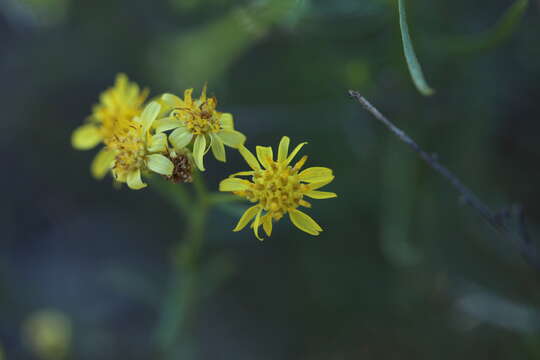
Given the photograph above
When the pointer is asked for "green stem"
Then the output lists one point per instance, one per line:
(197, 222)
(174, 334)
(200, 187)
(180, 305)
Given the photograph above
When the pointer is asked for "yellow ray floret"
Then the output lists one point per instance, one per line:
(197, 122)
(278, 188)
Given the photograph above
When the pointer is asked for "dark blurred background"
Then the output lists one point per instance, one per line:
(403, 269)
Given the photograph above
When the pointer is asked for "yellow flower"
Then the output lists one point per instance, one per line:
(278, 188)
(110, 122)
(112, 116)
(198, 121)
(139, 150)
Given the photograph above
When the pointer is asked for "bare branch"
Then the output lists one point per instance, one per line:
(527, 247)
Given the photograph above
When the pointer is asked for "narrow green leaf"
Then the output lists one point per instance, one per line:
(412, 61)
(494, 36)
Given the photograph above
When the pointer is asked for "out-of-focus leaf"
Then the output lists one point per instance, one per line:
(498, 311)
(493, 37)
(412, 61)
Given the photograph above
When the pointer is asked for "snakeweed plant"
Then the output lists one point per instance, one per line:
(168, 137)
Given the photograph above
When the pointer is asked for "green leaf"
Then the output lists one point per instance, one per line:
(412, 61)
(494, 36)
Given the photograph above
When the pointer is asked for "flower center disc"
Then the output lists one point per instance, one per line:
(277, 189)
(199, 120)
(131, 152)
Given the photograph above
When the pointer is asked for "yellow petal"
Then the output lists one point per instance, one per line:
(158, 143)
(256, 224)
(149, 114)
(300, 163)
(118, 177)
(267, 224)
(249, 157)
(160, 164)
(203, 93)
(320, 184)
(265, 155)
(295, 151)
(315, 174)
(167, 124)
(232, 138)
(243, 173)
(304, 222)
(121, 81)
(187, 97)
(85, 137)
(233, 184)
(134, 180)
(199, 149)
(131, 91)
(172, 100)
(227, 121)
(246, 217)
(320, 194)
(180, 138)
(102, 163)
(283, 148)
(217, 148)
(212, 102)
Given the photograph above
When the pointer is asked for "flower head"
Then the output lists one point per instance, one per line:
(112, 117)
(197, 121)
(124, 125)
(278, 188)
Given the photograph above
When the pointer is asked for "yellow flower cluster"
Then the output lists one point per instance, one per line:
(171, 135)
(135, 138)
